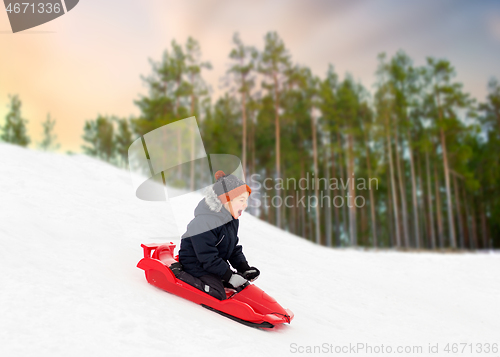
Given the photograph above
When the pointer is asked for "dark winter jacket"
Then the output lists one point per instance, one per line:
(211, 241)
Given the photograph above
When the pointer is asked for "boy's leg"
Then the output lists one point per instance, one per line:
(210, 284)
(214, 286)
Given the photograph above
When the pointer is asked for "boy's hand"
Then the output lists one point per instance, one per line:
(236, 281)
(251, 274)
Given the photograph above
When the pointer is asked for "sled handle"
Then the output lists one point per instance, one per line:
(241, 287)
(148, 248)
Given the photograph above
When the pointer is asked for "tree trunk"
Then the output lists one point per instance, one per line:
(438, 210)
(316, 188)
(488, 231)
(391, 214)
(310, 226)
(468, 228)
(459, 214)
(363, 240)
(284, 217)
(414, 195)
(335, 208)
(193, 100)
(269, 211)
(475, 237)
(252, 143)
(342, 189)
(453, 241)
(484, 232)
(372, 198)
(277, 126)
(393, 185)
(429, 198)
(302, 208)
(176, 108)
(179, 155)
(421, 203)
(402, 191)
(352, 192)
(244, 119)
(191, 132)
(328, 210)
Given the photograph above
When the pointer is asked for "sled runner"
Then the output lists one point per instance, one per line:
(248, 305)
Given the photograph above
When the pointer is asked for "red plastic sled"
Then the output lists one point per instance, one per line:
(250, 305)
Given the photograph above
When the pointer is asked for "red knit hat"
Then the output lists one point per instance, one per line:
(228, 187)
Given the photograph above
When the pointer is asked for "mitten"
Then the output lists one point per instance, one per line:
(251, 274)
(236, 281)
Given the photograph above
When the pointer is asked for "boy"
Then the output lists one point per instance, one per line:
(211, 240)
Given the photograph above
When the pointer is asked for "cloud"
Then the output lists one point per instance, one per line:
(494, 25)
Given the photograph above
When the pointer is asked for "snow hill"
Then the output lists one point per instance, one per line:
(70, 237)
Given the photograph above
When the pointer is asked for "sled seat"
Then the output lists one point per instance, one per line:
(162, 252)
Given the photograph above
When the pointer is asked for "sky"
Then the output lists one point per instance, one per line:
(90, 61)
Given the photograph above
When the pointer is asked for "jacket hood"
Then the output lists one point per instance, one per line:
(212, 206)
(208, 214)
(211, 199)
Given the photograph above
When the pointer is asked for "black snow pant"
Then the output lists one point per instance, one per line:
(211, 284)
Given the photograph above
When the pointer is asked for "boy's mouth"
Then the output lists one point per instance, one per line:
(239, 213)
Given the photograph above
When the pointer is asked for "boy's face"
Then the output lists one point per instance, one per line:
(237, 205)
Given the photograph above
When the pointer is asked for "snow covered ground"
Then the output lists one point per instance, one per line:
(70, 237)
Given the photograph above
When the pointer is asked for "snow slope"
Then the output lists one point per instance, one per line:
(70, 237)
